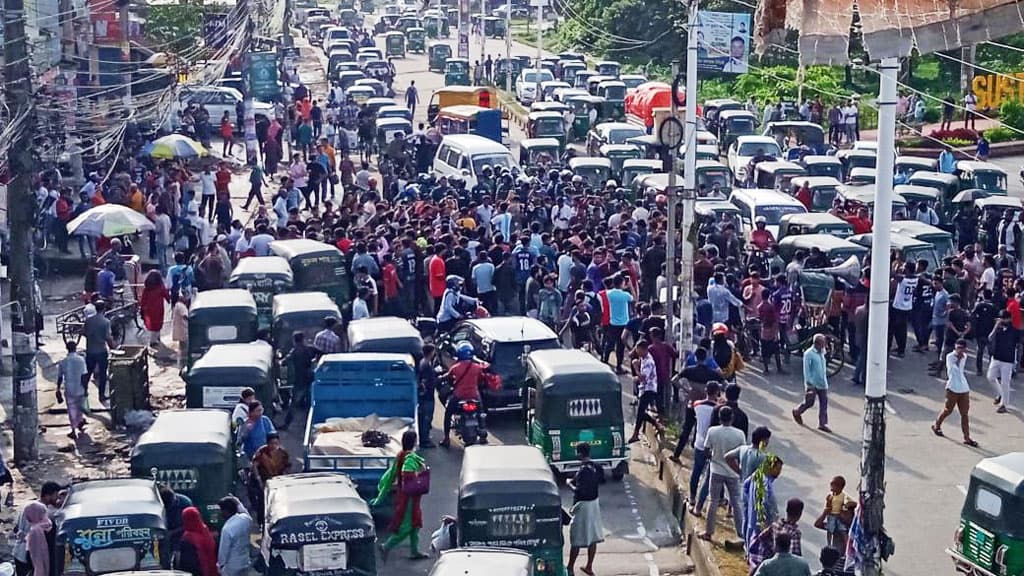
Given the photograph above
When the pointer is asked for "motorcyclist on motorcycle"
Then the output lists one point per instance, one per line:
(761, 236)
(454, 304)
(466, 376)
(397, 152)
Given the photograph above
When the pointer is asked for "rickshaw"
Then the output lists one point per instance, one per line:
(263, 277)
(436, 24)
(346, 4)
(861, 175)
(909, 249)
(910, 164)
(814, 223)
(793, 134)
(948, 186)
(494, 27)
(981, 175)
(568, 70)
(633, 167)
(503, 67)
(823, 190)
(456, 72)
(508, 498)
(816, 290)
(594, 81)
(491, 561)
(823, 166)
(549, 106)
(706, 208)
(776, 175)
(220, 317)
(855, 196)
(360, 94)
(594, 171)
(854, 158)
(989, 539)
(997, 204)
(608, 68)
(385, 334)
(580, 105)
(940, 239)
(317, 523)
(217, 378)
(111, 525)
(191, 452)
(614, 94)
(395, 111)
(648, 144)
(392, 10)
(386, 129)
(713, 175)
(297, 312)
(546, 124)
(453, 16)
(437, 56)
(349, 17)
(367, 6)
(548, 89)
(316, 266)
(406, 23)
(835, 249)
(633, 80)
(731, 125)
(572, 397)
(619, 153)
(394, 44)
(379, 90)
(542, 153)
(582, 79)
(417, 39)
(712, 110)
(914, 194)
(348, 78)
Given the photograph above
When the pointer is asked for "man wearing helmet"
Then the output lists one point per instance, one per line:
(466, 376)
(761, 237)
(453, 304)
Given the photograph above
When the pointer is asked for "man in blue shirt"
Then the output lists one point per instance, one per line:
(619, 304)
(483, 279)
(105, 281)
(815, 384)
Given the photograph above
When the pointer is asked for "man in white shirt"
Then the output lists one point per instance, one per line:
(564, 265)
(561, 214)
(281, 209)
(902, 304)
(971, 105)
(721, 440)
(958, 393)
(703, 411)
(641, 213)
(208, 186)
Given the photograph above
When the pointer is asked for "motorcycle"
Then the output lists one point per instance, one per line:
(469, 422)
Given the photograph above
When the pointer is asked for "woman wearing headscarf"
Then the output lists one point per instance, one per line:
(198, 551)
(408, 518)
(37, 542)
(151, 305)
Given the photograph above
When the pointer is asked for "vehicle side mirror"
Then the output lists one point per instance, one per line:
(465, 172)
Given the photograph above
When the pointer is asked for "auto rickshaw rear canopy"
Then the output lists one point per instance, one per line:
(294, 501)
(506, 475)
(273, 267)
(1004, 472)
(384, 334)
(304, 303)
(238, 363)
(134, 499)
(233, 301)
(476, 560)
(289, 249)
(195, 436)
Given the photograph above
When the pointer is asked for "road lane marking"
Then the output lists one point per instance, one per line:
(889, 408)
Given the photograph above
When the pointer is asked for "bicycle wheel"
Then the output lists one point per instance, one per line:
(835, 357)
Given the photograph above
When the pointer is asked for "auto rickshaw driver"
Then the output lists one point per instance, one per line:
(761, 237)
(466, 376)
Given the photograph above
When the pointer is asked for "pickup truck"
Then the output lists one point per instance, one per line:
(351, 393)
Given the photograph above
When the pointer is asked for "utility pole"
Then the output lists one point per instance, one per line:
(20, 208)
(249, 115)
(540, 46)
(126, 55)
(508, 47)
(287, 44)
(872, 467)
(689, 184)
(671, 234)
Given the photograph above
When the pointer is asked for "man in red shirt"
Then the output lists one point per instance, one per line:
(861, 223)
(761, 237)
(223, 180)
(389, 277)
(466, 376)
(436, 276)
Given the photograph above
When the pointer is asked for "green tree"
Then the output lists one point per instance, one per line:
(175, 28)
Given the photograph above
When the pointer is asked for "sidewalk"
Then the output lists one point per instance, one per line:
(981, 125)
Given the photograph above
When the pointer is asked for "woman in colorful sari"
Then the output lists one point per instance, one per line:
(408, 518)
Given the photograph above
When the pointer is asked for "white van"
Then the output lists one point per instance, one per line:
(771, 204)
(465, 155)
(334, 33)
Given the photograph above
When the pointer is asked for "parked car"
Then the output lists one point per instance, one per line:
(218, 99)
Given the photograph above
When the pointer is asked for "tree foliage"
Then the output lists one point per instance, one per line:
(174, 28)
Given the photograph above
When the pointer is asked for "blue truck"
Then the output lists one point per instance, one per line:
(351, 393)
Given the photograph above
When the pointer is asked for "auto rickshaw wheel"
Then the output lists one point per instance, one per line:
(117, 333)
(620, 471)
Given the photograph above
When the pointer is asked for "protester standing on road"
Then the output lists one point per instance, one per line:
(412, 97)
(647, 386)
(197, 553)
(585, 528)
(97, 338)
(958, 393)
(815, 384)
(1002, 345)
(408, 516)
(723, 439)
(233, 552)
(428, 380)
(73, 375)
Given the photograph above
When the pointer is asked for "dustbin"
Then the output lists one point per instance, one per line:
(129, 381)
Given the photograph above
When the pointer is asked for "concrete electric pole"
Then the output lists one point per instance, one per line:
(20, 210)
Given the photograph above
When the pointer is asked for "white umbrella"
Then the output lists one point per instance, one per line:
(109, 220)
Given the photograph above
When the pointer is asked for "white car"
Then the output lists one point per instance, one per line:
(745, 148)
(526, 84)
(218, 99)
(333, 33)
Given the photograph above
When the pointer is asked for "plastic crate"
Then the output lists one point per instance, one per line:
(128, 378)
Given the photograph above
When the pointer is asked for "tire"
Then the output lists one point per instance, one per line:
(835, 357)
(620, 471)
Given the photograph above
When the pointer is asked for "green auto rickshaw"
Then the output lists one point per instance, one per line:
(456, 72)
(608, 68)
(437, 56)
(504, 67)
(539, 153)
(594, 171)
(349, 17)
(453, 16)
(634, 167)
(217, 378)
(316, 523)
(546, 124)
(491, 561)
(580, 105)
(417, 40)
(406, 23)
(263, 277)
(508, 499)
(614, 94)
(297, 312)
(316, 267)
(367, 6)
(192, 453)
(573, 397)
(990, 537)
(394, 44)
(494, 27)
(112, 525)
(436, 24)
(220, 317)
(386, 335)
(619, 153)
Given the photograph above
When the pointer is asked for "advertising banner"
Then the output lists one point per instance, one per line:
(464, 29)
(723, 42)
(263, 75)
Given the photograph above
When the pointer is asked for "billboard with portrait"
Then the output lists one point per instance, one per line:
(723, 42)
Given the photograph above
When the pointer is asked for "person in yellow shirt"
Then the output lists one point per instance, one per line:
(332, 163)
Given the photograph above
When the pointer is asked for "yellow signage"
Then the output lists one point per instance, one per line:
(992, 90)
